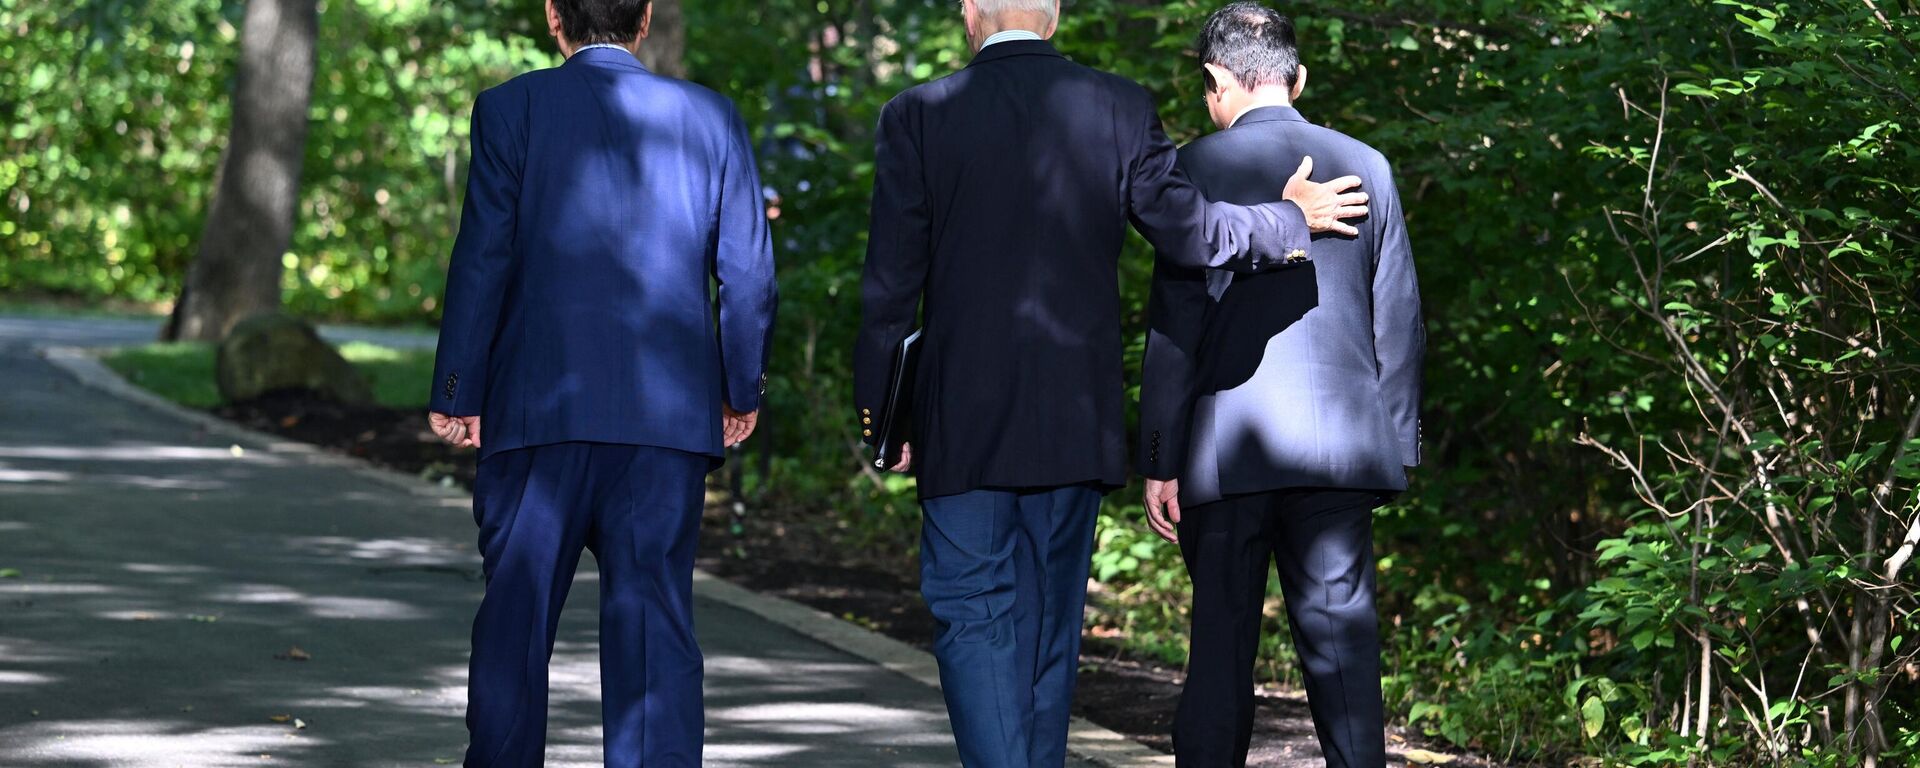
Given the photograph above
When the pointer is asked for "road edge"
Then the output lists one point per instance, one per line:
(1085, 739)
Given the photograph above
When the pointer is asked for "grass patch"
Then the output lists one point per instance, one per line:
(183, 372)
(401, 378)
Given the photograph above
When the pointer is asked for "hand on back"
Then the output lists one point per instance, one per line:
(1326, 204)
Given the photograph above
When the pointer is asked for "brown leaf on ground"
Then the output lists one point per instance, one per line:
(281, 718)
(294, 654)
(1423, 757)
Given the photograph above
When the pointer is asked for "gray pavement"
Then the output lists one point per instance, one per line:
(165, 577)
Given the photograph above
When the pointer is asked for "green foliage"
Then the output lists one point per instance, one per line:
(1142, 583)
(119, 114)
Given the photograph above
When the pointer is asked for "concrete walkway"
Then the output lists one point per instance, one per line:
(159, 577)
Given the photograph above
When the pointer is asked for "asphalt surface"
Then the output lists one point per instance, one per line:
(156, 581)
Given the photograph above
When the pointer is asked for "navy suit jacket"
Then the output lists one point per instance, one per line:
(1001, 197)
(1305, 378)
(604, 204)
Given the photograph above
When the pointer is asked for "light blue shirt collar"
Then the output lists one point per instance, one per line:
(620, 48)
(1009, 35)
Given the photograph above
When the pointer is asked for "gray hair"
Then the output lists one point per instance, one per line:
(995, 7)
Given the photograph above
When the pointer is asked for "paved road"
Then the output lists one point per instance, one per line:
(161, 575)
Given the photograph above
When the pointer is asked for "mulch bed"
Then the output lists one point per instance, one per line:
(792, 554)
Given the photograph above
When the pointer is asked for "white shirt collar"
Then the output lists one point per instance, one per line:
(1009, 35)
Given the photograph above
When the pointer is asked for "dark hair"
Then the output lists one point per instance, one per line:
(588, 22)
(1253, 42)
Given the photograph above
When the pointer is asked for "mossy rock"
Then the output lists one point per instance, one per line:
(277, 353)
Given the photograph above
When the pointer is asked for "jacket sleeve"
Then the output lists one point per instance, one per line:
(899, 241)
(482, 261)
(1169, 376)
(1186, 228)
(897, 256)
(1399, 333)
(743, 267)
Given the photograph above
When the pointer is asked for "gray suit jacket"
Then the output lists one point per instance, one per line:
(1301, 378)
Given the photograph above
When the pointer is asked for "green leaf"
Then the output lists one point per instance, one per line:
(1593, 716)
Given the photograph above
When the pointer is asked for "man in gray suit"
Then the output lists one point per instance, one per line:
(1279, 410)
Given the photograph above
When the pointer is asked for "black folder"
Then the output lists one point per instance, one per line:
(896, 415)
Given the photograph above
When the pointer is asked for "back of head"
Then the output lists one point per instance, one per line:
(993, 8)
(591, 22)
(1253, 42)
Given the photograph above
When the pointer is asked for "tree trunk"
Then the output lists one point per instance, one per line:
(249, 227)
(665, 49)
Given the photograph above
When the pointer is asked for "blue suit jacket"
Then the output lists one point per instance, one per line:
(603, 204)
(1302, 378)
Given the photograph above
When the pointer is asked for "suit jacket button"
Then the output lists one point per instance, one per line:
(866, 420)
(866, 433)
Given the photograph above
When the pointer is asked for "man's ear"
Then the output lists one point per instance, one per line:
(967, 14)
(1054, 25)
(1221, 78)
(1299, 83)
(553, 22)
(646, 21)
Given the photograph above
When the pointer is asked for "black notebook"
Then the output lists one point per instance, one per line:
(896, 415)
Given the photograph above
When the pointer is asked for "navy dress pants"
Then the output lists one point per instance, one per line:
(1322, 542)
(1005, 575)
(638, 509)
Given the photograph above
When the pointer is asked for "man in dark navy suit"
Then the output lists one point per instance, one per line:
(604, 204)
(1001, 199)
(1278, 410)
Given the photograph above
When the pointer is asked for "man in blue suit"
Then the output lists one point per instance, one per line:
(1278, 410)
(604, 204)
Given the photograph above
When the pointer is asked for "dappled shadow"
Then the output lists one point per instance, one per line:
(181, 603)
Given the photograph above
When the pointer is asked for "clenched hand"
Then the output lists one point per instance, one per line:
(462, 431)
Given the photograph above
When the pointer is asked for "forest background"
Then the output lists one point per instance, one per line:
(1667, 247)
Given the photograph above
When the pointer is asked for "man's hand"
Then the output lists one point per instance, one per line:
(1325, 204)
(906, 458)
(461, 431)
(1163, 508)
(736, 427)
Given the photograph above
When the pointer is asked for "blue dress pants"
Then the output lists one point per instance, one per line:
(1005, 575)
(638, 509)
